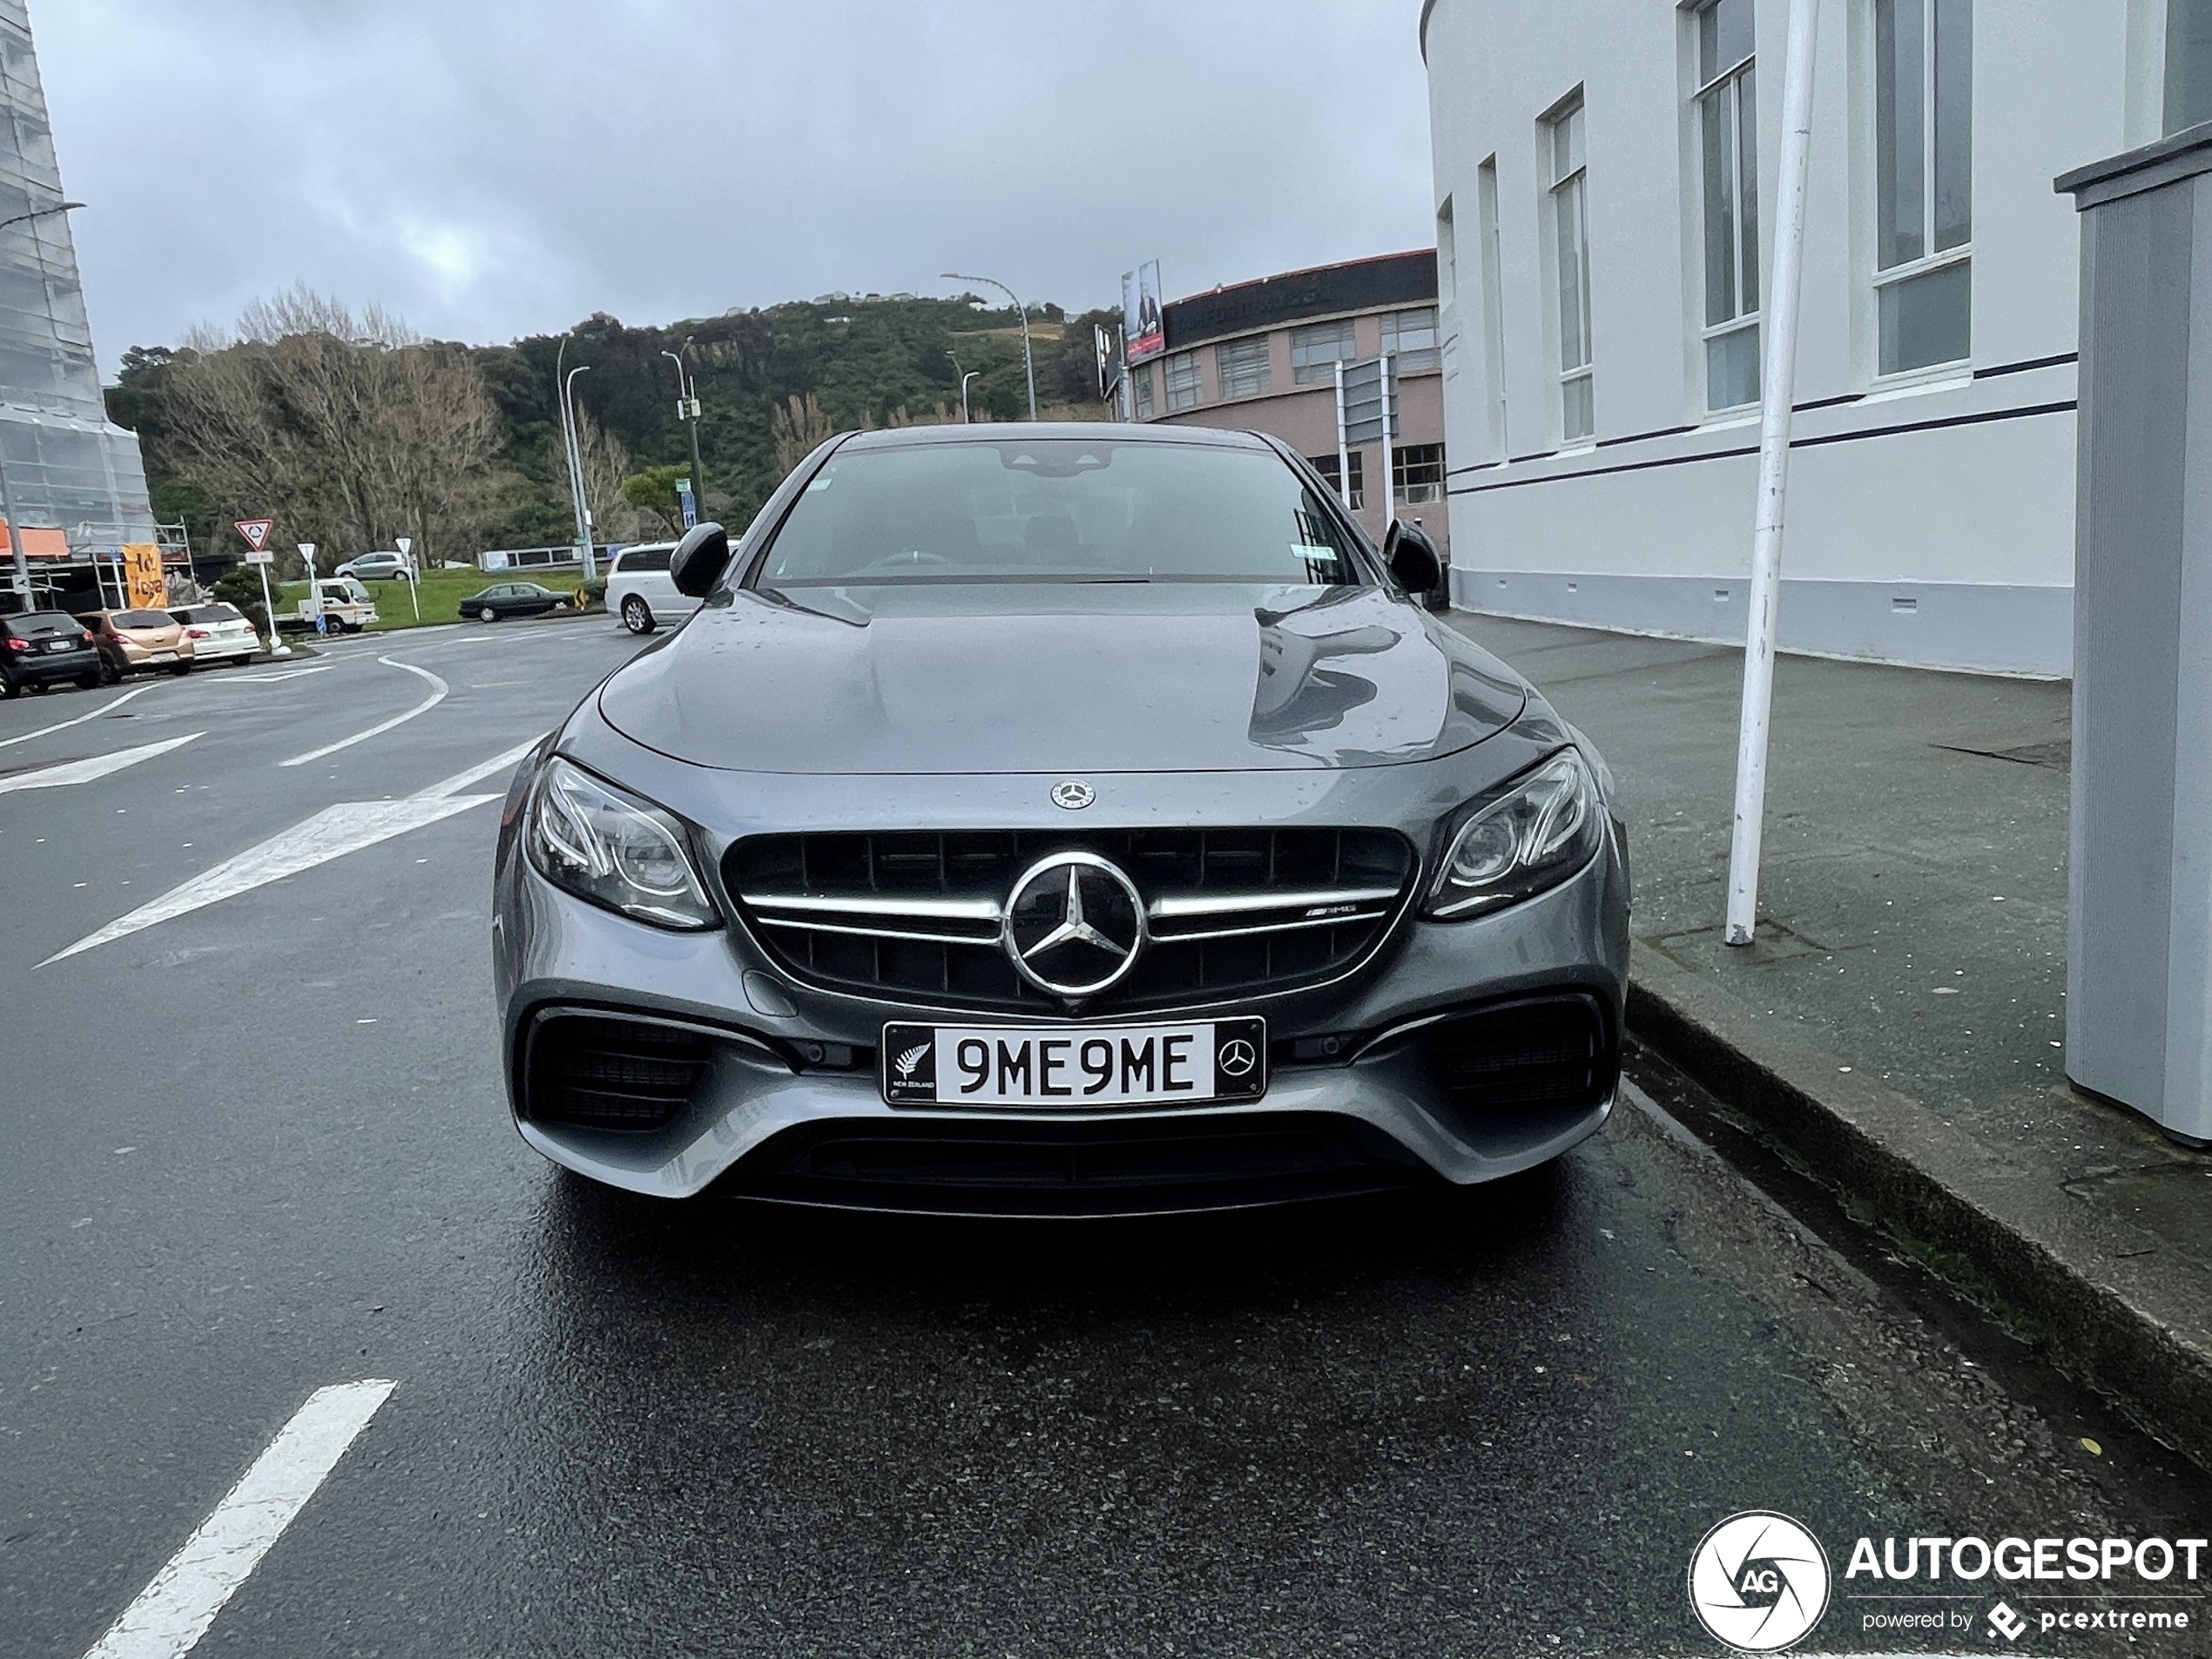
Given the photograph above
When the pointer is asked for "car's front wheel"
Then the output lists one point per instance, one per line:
(636, 615)
(485, 613)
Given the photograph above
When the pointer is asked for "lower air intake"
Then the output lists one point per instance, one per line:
(1543, 1052)
(598, 1071)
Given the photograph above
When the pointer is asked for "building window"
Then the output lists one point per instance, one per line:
(1570, 268)
(1327, 466)
(1924, 185)
(1412, 336)
(1243, 366)
(1417, 473)
(1318, 348)
(1727, 142)
(1182, 380)
(1139, 379)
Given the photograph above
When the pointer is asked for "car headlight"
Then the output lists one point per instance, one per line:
(1530, 834)
(603, 844)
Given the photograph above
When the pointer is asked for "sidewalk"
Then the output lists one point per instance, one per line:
(1896, 1027)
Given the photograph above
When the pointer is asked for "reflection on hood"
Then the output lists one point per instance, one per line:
(1062, 679)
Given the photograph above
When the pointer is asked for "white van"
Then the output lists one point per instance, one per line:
(641, 592)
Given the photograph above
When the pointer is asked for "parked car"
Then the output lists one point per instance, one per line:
(219, 633)
(965, 772)
(374, 567)
(640, 590)
(130, 640)
(40, 648)
(514, 599)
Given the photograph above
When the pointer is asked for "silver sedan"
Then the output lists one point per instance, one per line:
(1059, 821)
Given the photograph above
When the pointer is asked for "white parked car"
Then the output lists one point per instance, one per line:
(219, 633)
(640, 590)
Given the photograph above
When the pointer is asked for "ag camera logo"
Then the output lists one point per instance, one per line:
(1759, 1582)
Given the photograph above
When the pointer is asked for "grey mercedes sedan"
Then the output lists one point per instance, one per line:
(1059, 821)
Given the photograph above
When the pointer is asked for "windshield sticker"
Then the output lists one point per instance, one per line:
(1318, 555)
(823, 483)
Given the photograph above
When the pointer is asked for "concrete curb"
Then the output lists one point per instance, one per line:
(2126, 1316)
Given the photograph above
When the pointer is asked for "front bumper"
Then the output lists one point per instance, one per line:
(787, 1103)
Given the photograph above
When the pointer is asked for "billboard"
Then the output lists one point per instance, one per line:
(1144, 333)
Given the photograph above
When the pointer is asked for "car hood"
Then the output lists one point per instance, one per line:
(1147, 677)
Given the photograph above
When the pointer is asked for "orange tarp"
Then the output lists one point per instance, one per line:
(37, 543)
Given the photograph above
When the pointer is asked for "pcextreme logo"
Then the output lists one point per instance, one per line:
(1759, 1582)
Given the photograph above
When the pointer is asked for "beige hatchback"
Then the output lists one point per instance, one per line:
(130, 640)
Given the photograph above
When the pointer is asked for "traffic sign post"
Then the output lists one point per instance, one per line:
(406, 545)
(688, 502)
(258, 552)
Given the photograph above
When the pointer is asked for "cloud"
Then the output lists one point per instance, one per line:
(491, 168)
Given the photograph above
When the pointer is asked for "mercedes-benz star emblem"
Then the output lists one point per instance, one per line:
(1073, 925)
(1236, 1058)
(1073, 793)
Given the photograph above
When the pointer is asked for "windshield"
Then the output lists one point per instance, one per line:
(206, 614)
(1059, 510)
(144, 619)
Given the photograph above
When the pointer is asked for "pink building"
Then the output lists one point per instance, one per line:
(1262, 356)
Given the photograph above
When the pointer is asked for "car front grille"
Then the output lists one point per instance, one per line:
(599, 1071)
(916, 915)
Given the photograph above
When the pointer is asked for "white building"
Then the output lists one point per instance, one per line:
(1605, 182)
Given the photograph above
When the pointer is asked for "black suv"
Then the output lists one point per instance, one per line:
(41, 647)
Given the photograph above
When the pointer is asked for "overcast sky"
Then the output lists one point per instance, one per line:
(492, 168)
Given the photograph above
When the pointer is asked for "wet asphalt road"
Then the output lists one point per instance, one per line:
(261, 1147)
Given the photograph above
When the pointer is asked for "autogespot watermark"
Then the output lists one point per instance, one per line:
(1760, 1583)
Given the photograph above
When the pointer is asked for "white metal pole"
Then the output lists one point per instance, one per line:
(1389, 496)
(277, 647)
(1777, 386)
(1344, 449)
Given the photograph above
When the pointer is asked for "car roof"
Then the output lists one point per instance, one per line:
(1079, 431)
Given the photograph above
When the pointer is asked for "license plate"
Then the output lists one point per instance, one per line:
(163, 656)
(59, 644)
(1074, 1068)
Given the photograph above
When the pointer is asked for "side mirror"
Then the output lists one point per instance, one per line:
(1411, 558)
(700, 560)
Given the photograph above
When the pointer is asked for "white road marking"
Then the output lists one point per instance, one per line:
(64, 726)
(331, 833)
(282, 674)
(83, 771)
(173, 1612)
(428, 703)
(461, 780)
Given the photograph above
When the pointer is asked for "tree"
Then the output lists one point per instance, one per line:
(350, 431)
(654, 491)
(606, 467)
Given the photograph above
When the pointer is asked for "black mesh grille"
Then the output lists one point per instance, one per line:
(600, 1072)
(959, 962)
(1555, 1051)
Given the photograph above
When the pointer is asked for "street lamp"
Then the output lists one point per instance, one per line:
(575, 464)
(1028, 365)
(687, 410)
(965, 376)
(7, 502)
